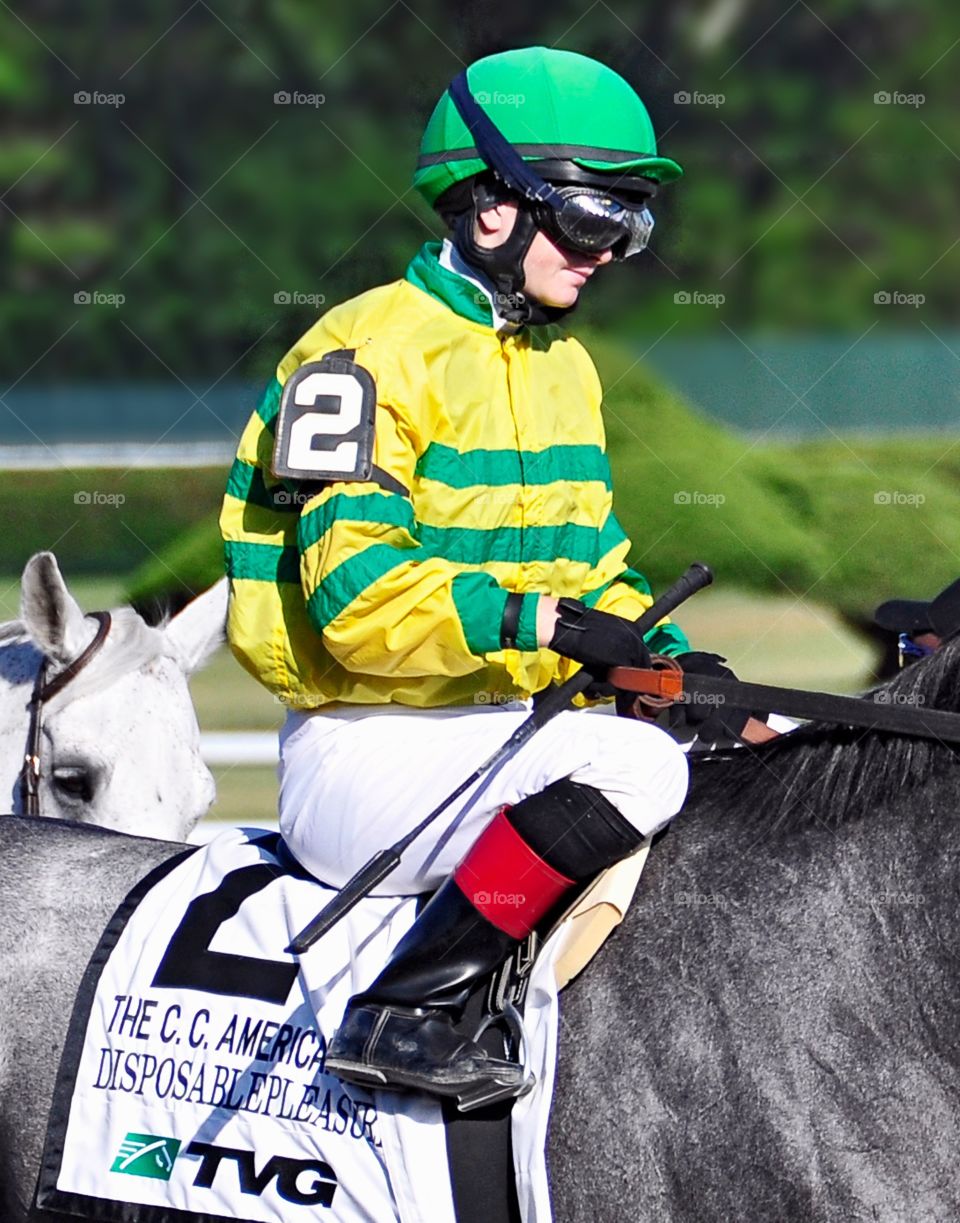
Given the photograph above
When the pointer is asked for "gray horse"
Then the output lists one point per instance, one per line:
(771, 1034)
(120, 745)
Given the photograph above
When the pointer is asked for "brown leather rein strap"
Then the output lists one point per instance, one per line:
(43, 691)
(665, 683)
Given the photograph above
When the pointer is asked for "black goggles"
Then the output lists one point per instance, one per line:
(590, 221)
(580, 218)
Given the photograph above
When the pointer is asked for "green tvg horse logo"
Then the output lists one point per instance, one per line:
(146, 1155)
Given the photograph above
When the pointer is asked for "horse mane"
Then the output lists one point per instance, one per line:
(830, 774)
(130, 645)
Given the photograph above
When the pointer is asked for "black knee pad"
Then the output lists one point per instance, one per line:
(574, 828)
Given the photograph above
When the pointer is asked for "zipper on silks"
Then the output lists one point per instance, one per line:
(510, 357)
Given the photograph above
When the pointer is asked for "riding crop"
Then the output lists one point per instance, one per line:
(558, 699)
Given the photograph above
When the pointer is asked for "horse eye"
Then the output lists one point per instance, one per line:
(73, 783)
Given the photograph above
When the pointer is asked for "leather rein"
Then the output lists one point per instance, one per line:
(43, 690)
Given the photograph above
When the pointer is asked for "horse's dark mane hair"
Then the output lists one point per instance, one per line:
(828, 773)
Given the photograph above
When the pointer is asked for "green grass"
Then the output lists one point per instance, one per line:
(244, 793)
(227, 698)
(779, 640)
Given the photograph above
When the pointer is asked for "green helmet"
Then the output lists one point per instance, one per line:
(550, 105)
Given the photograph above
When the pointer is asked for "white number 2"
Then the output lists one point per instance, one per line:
(304, 431)
(322, 401)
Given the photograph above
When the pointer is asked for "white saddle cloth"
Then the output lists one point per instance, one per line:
(193, 1080)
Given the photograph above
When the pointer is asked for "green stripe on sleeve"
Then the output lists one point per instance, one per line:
(496, 468)
(241, 481)
(573, 463)
(527, 628)
(388, 509)
(612, 535)
(246, 483)
(348, 580)
(636, 581)
(512, 545)
(269, 404)
(479, 600)
(592, 597)
(262, 562)
(667, 639)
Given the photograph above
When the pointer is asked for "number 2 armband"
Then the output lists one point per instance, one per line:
(325, 425)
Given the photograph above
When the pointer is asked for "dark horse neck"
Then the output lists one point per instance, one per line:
(772, 1032)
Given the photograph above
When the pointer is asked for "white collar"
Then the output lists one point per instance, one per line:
(453, 261)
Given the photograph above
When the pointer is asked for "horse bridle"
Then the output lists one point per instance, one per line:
(42, 692)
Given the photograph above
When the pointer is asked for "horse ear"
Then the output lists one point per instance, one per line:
(200, 628)
(52, 616)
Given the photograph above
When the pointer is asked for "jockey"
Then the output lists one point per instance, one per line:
(407, 591)
(921, 627)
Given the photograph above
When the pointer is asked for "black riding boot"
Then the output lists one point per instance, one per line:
(400, 1033)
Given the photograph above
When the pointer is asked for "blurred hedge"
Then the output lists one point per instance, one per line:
(101, 521)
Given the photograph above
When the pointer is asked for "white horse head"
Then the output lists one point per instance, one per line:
(120, 744)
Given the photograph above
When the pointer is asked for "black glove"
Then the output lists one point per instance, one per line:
(709, 721)
(599, 641)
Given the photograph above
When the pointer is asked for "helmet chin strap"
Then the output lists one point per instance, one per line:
(503, 264)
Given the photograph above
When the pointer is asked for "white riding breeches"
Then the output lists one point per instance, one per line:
(355, 780)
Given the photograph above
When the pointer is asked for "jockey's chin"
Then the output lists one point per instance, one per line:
(554, 276)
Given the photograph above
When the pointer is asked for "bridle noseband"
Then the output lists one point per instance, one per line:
(43, 691)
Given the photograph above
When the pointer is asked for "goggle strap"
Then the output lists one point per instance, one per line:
(496, 150)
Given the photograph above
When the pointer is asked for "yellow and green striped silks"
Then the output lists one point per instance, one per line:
(363, 594)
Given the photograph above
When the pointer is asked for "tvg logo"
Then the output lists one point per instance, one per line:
(304, 1182)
